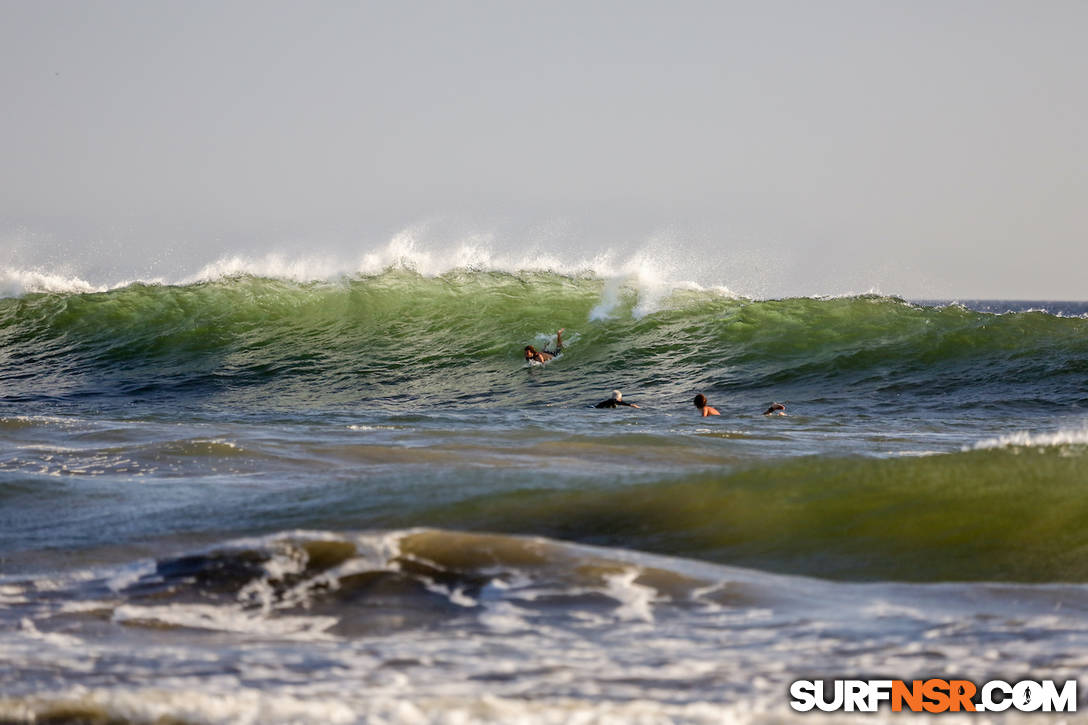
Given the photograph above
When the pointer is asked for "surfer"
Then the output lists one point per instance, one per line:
(775, 407)
(543, 356)
(615, 401)
(700, 403)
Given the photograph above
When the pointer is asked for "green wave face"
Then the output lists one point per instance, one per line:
(458, 337)
(991, 515)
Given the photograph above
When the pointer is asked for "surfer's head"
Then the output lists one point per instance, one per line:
(700, 401)
(775, 407)
(617, 396)
(530, 352)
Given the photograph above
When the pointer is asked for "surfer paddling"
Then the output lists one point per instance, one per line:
(700, 403)
(775, 409)
(615, 401)
(543, 356)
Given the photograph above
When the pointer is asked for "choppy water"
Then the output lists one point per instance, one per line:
(250, 499)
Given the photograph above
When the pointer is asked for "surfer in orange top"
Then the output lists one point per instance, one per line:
(700, 403)
(543, 356)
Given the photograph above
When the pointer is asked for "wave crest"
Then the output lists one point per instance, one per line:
(15, 282)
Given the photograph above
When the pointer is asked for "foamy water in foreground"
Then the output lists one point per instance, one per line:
(434, 626)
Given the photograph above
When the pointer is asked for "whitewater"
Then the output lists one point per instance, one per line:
(315, 488)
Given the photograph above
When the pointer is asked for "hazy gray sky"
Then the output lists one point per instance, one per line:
(927, 148)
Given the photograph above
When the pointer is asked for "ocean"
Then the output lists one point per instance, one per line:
(262, 498)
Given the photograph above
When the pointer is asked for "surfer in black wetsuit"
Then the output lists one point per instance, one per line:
(615, 401)
(775, 408)
(543, 356)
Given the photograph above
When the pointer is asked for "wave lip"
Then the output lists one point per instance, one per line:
(654, 268)
(15, 282)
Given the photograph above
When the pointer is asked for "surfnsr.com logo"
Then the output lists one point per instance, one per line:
(933, 695)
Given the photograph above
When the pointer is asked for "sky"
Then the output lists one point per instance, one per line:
(925, 149)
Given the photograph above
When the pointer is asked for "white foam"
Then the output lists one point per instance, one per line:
(653, 281)
(15, 282)
(412, 250)
(226, 619)
(652, 271)
(610, 300)
(273, 266)
(636, 600)
(504, 618)
(129, 575)
(10, 594)
(28, 629)
(251, 707)
(1027, 439)
(652, 276)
